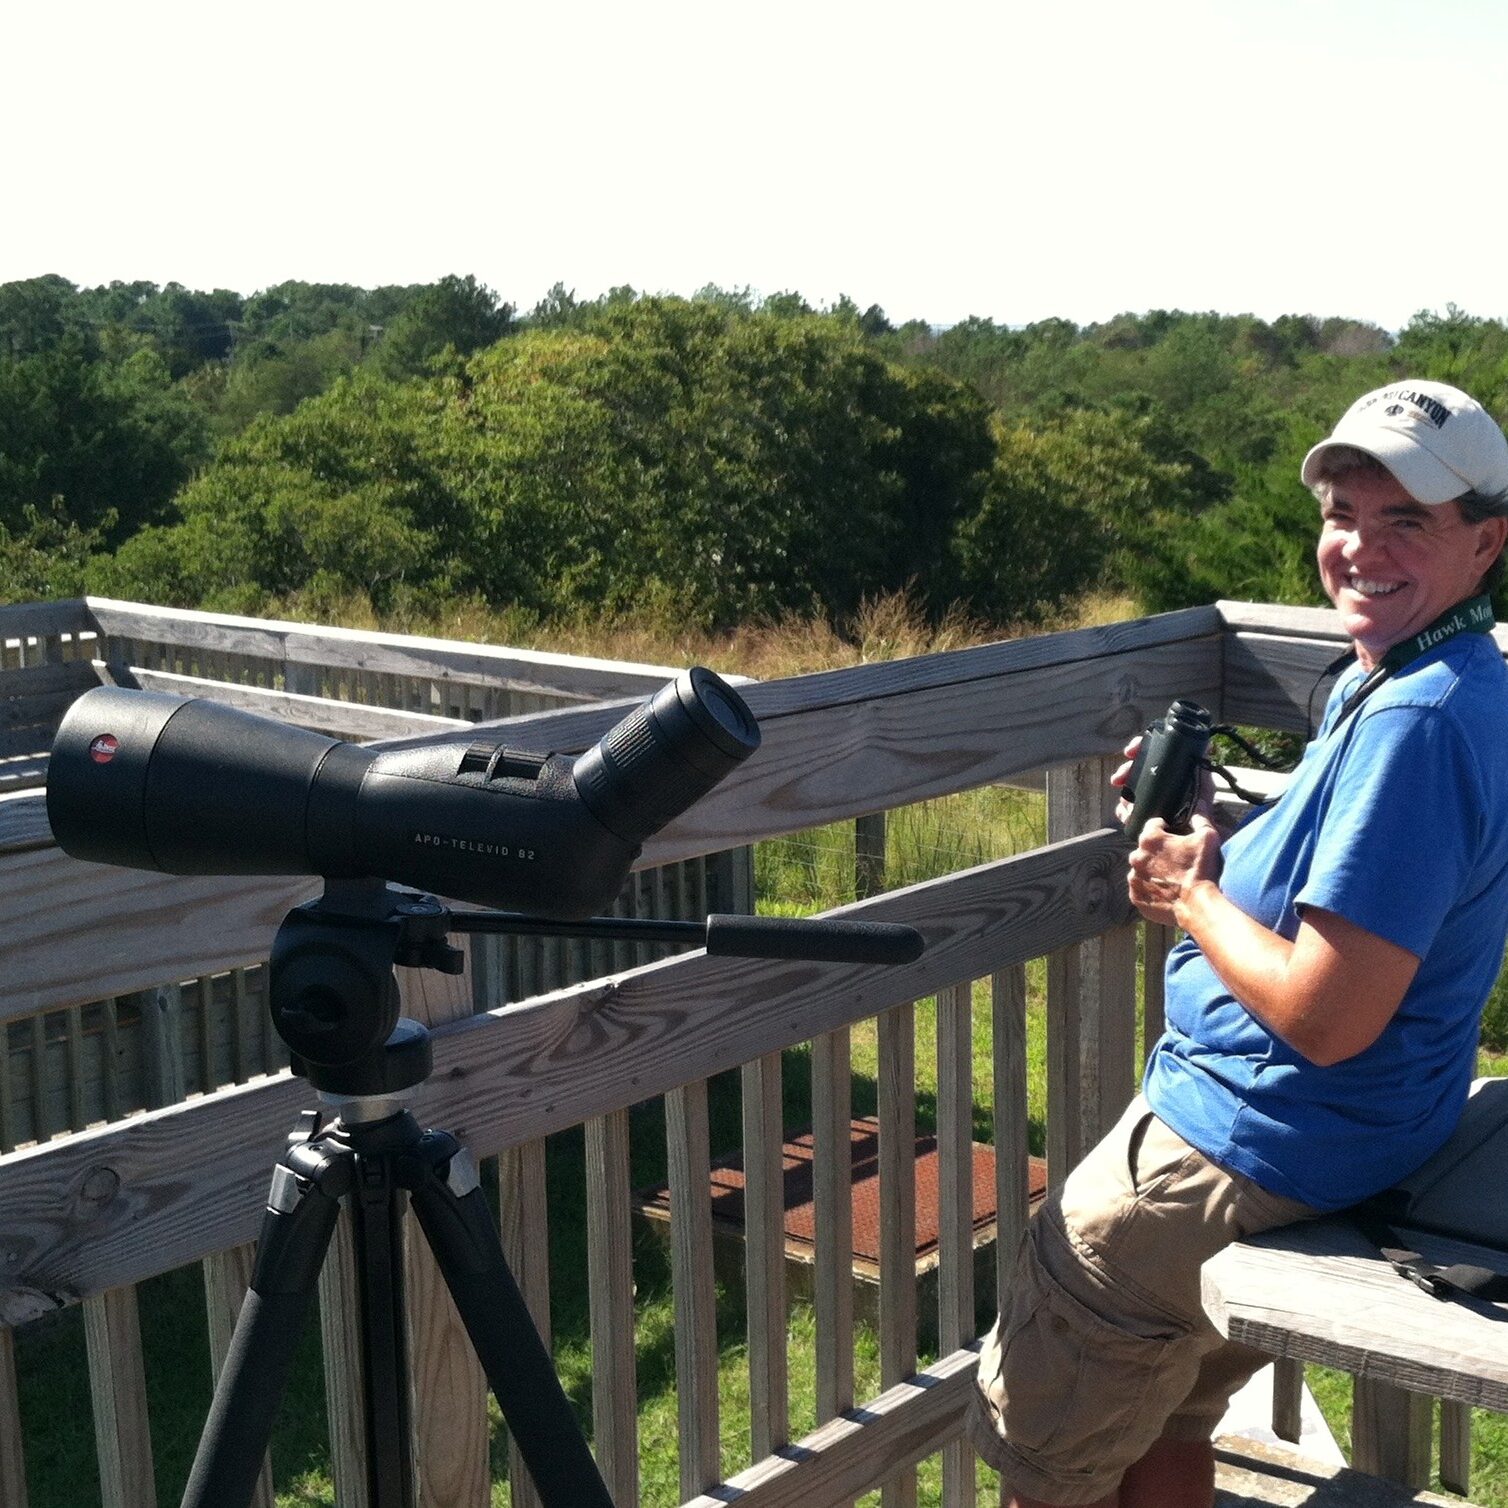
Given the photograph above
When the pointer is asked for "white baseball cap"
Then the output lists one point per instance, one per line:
(1435, 439)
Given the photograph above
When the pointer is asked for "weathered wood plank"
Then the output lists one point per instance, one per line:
(67, 679)
(1455, 1447)
(1064, 1113)
(1319, 1291)
(1109, 1049)
(524, 1201)
(118, 1386)
(764, 1254)
(448, 1386)
(112, 1205)
(610, 1281)
(1012, 1146)
(896, 1033)
(832, 1201)
(68, 615)
(1391, 1432)
(1156, 944)
(21, 769)
(1093, 994)
(578, 676)
(97, 930)
(955, 1148)
(896, 1030)
(1288, 1400)
(1280, 618)
(1296, 622)
(1250, 1474)
(955, 1207)
(12, 1455)
(348, 720)
(1273, 655)
(1005, 708)
(1278, 682)
(695, 1295)
(856, 1452)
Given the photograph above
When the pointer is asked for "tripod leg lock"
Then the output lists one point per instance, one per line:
(301, 1210)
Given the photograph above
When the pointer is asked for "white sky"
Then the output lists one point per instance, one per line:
(1013, 160)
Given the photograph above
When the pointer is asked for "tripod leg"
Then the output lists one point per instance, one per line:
(453, 1214)
(296, 1231)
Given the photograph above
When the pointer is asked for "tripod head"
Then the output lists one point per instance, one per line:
(335, 1002)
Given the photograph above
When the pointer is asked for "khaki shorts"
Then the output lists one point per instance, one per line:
(1105, 1347)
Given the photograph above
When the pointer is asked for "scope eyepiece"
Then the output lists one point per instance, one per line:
(666, 754)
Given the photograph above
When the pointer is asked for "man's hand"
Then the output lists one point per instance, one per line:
(1166, 866)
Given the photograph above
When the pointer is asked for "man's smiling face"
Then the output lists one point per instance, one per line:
(1392, 565)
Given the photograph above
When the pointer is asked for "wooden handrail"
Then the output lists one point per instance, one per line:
(835, 746)
(581, 676)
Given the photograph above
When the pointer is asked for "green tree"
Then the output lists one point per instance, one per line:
(664, 455)
(111, 440)
(1459, 348)
(1069, 506)
(46, 557)
(457, 314)
(36, 314)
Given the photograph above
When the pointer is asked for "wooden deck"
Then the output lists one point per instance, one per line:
(92, 1213)
(1250, 1475)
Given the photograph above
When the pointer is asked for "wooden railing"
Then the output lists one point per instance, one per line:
(90, 1215)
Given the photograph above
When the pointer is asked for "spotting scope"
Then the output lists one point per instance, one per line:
(190, 786)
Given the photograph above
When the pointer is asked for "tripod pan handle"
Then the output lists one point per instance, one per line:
(824, 941)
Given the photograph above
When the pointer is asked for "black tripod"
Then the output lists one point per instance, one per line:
(334, 1001)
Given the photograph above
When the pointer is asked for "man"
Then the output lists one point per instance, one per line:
(1323, 1005)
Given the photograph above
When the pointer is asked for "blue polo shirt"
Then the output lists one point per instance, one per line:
(1397, 820)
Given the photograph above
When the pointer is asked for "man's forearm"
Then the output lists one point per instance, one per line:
(1328, 994)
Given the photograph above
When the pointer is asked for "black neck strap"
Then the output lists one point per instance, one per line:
(1474, 616)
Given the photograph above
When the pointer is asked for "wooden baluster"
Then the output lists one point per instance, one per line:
(898, 1304)
(9, 1130)
(448, 1404)
(1064, 1122)
(610, 1278)
(1091, 991)
(1012, 1152)
(1156, 943)
(118, 1385)
(1391, 1432)
(526, 1249)
(690, 1161)
(832, 1172)
(869, 855)
(12, 1459)
(764, 1252)
(1287, 1399)
(1455, 1446)
(955, 1209)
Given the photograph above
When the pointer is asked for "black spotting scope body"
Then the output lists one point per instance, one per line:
(190, 786)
